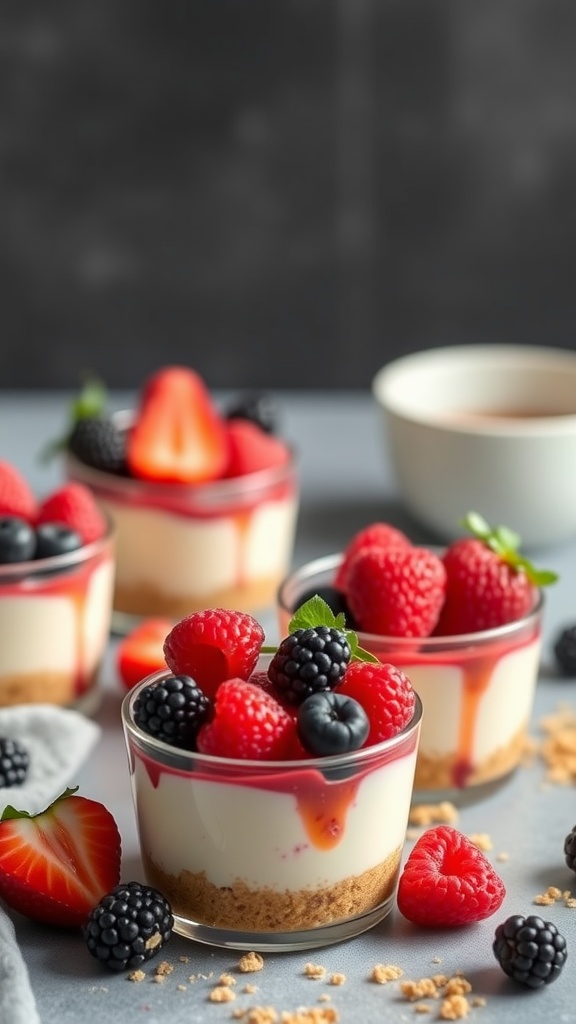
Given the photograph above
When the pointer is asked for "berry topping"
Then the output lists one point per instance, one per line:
(565, 650)
(309, 661)
(258, 409)
(376, 535)
(99, 443)
(172, 710)
(16, 497)
(252, 449)
(141, 651)
(396, 591)
(56, 865)
(56, 539)
(488, 582)
(14, 762)
(570, 849)
(248, 723)
(385, 693)
(335, 600)
(74, 506)
(331, 723)
(214, 645)
(17, 540)
(128, 926)
(178, 434)
(530, 950)
(447, 881)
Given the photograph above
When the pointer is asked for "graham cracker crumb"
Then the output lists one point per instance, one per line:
(558, 748)
(184, 959)
(153, 941)
(136, 976)
(454, 1008)
(427, 814)
(502, 856)
(258, 1015)
(457, 986)
(482, 840)
(159, 979)
(250, 962)
(436, 960)
(227, 979)
(337, 979)
(315, 971)
(250, 989)
(181, 988)
(221, 994)
(478, 1001)
(313, 1015)
(422, 1008)
(163, 968)
(424, 988)
(440, 980)
(383, 973)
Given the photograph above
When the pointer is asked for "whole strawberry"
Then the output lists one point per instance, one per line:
(396, 591)
(488, 582)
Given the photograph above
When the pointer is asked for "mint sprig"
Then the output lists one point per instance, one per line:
(506, 543)
(316, 612)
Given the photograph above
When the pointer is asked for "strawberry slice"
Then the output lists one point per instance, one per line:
(178, 434)
(252, 449)
(56, 866)
(141, 652)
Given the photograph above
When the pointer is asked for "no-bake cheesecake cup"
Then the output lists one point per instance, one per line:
(180, 548)
(277, 855)
(55, 616)
(477, 692)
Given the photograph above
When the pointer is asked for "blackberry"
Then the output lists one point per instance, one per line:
(258, 409)
(172, 710)
(128, 926)
(570, 849)
(99, 443)
(14, 762)
(331, 723)
(530, 950)
(565, 650)
(309, 661)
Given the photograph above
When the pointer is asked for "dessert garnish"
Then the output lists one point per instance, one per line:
(56, 865)
(447, 881)
(213, 645)
(172, 710)
(530, 950)
(128, 926)
(14, 762)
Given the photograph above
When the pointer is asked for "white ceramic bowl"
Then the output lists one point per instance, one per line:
(485, 427)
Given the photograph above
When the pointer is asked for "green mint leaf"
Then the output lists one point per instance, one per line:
(316, 612)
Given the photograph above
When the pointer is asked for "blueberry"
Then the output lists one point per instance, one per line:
(331, 723)
(17, 540)
(56, 539)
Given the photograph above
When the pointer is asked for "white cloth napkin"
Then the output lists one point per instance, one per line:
(58, 741)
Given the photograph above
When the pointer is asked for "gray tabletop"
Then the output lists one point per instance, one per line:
(345, 484)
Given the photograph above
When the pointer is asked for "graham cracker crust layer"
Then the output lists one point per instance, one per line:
(439, 772)
(146, 600)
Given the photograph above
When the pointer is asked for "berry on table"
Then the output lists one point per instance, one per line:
(213, 645)
(447, 881)
(128, 926)
(17, 540)
(172, 710)
(570, 849)
(530, 950)
(565, 650)
(331, 723)
(14, 762)
(309, 661)
(385, 693)
(247, 723)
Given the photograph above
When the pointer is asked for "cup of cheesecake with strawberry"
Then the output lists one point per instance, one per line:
(464, 623)
(56, 583)
(272, 786)
(204, 501)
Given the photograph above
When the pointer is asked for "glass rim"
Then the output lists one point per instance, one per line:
(353, 758)
(39, 566)
(329, 563)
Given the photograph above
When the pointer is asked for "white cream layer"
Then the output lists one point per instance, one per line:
(258, 836)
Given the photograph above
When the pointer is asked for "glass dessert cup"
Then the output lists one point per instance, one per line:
(271, 856)
(477, 692)
(55, 616)
(181, 548)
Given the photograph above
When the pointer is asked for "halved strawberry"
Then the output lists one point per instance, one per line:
(178, 434)
(141, 651)
(252, 449)
(56, 866)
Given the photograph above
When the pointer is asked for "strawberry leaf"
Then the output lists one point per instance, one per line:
(9, 812)
(506, 543)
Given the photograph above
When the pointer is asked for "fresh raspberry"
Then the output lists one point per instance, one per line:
(376, 535)
(482, 589)
(247, 723)
(396, 591)
(447, 881)
(252, 449)
(74, 505)
(385, 693)
(213, 645)
(16, 497)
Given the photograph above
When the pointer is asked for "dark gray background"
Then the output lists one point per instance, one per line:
(281, 193)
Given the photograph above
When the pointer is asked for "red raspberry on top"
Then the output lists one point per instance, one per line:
(385, 693)
(396, 591)
(488, 583)
(214, 645)
(247, 723)
(447, 881)
(379, 535)
(16, 497)
(251, 449)
(74, 505)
